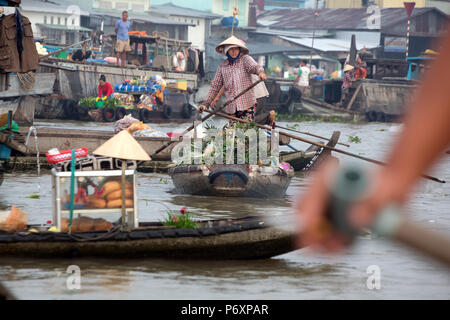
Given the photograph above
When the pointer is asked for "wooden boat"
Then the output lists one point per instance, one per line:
(21, 101)
(237, 180)
(311, 157)
(76, 80)
(242, 238)
(176, 108)
(64, 139)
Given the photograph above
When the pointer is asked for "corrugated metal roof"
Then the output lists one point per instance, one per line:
(335, 19)
(258, 48)
(330, 44)
(171, 9)
(61, 27)
(313, 57)
(147, 17)
(50, 7)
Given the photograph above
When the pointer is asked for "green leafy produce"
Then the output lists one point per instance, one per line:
(208, 149)
(112, 103)
(88, 102)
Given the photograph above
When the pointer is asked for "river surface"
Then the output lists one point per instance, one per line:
(404, 274)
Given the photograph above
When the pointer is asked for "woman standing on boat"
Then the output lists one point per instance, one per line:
(235, 75)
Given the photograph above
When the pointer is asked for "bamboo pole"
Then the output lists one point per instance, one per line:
(211, 113)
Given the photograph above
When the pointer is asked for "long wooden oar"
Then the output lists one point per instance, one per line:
(319, 144)
(211, 113)
(309, 134)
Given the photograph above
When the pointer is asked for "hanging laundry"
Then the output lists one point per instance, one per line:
(18, 52)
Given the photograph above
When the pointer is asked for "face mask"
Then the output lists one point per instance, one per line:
(231, 59)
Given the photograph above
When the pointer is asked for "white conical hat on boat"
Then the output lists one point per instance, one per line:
(123, 146)
(232, 41)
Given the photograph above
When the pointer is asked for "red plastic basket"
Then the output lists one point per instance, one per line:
(65, 155)
(173, 134)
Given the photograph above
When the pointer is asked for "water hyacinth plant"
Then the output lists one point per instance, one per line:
(181, 219)
(234, 142)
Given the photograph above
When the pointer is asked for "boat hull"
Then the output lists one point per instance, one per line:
(306, 160)
(64, 139)
(245, 238)
(231, 180)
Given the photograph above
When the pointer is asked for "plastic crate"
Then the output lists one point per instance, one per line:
(65, 155)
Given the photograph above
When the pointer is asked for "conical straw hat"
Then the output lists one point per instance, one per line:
(122, 146)
(348, 67)
(232, 40)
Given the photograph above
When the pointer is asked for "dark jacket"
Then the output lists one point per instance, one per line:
(10, 58)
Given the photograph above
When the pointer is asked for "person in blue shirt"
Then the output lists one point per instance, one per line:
(123, 39)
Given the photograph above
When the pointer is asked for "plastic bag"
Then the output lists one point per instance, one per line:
(124, 123)
(150, 133)
(15, 220)
(137, 126)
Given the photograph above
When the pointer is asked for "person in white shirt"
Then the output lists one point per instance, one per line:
(302, 79)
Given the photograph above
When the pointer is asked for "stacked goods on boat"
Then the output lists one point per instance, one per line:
(90, 192)
(248, 172)
(94, 109)
(137, 128)
(13, 220)
(144, 99)
(42, 51)
(149, 95)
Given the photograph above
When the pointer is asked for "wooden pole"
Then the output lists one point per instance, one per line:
(310, 134)
(62, 49)
(316, 14)
(211, 113)
(124, 165)
(317, 144)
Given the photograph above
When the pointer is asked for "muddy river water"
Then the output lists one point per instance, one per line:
(404, 274)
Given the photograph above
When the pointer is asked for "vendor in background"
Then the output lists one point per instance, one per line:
(302, 79)
(179, 62)
(360, 69)
(347, 82)
(82, 54)
(105, 89)
(122, 28)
